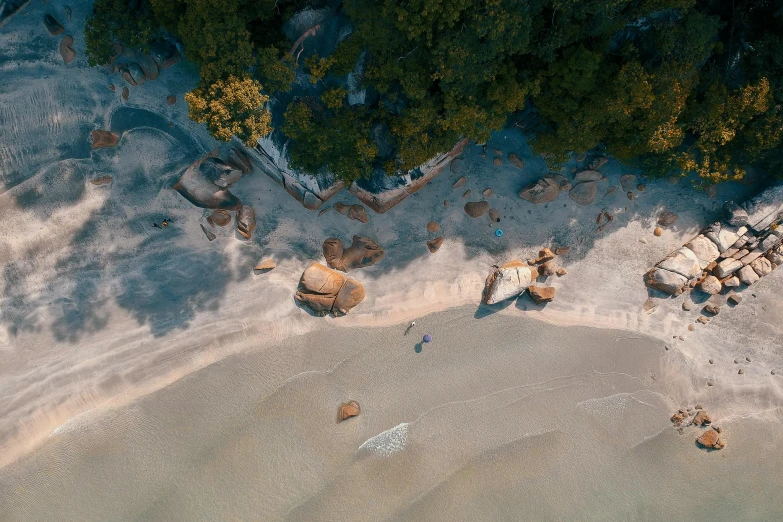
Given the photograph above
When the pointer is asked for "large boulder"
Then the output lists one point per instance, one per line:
(683, 262)
(541, 294)
(762, 266)
(508, 281)
(202, 192)
(705, 250)
(542, 191)
(246, 221)
(724, 237)
(164, 53)
(476, 208)
(149, 67)
(66, 49)
(324, 291)
(239, 160)
(584, 193)
(736, 215)
(219, 172)
(747, 275)
(362, 252)
(665, 281)
(102, 139)
(711, 439)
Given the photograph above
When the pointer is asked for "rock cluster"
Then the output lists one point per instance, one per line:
(325, 291)
(743, 248)
(698, 417)
(355, 212)
(362, 252)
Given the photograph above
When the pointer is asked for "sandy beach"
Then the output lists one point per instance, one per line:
(121, 343)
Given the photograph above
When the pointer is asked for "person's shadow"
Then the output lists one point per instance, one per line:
(407, 330)
(419, 346)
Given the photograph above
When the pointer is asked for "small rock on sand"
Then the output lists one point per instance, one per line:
(466, 194)
(266, 264)
(171, 99)
(640, 187)
(434, 244)
(210, 235)
(432, 227)
(561, 272)
(541, 294)
(103, 180)
(497, 162)
(66, 49)
(515, 161)
(358, 213)
(446, 203)
(702, 418)
(125, 93)
(487, 192)
(102, 139)
(494, 215)
(476, 208)
(687, 305)
(342, 208)
(460, 182)
(658, 232)
(611, 190)
(348, 410)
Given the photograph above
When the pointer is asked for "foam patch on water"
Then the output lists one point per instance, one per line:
(387, 442)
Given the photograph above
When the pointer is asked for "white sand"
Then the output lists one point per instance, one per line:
(98, 308)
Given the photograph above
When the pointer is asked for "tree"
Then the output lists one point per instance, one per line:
(232, 107)
(115, 22)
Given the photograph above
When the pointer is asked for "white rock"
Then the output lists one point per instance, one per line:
(683, 262)
(727, 267)
(508, 281)
(705, 250)
(725, 237)
(665, 281)
(710, 285)
(732, 282)
(761, 266)
(776, 256)
(747, 275)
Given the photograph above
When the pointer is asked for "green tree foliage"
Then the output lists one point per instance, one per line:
(114, 22)
(329, 135)
(275, 70)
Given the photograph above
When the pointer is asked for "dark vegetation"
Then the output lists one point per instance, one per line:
(668, 85)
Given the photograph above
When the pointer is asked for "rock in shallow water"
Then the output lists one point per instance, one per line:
(542, 191)
(66, 49)
(476, 208)
(584, 193)
(102, 139)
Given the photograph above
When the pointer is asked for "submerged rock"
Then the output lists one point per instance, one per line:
(357, 212)
(433, 227)
(476, 208)
(667, 218)
(588, 175)
(66, 49)
(52, 25)
(102, 139)
(171, 99)
(459, 183)
(202, 192)
(266, 264)
(515, 161)
(434, 244)
(542, 191)
(628, 182)
(584, 193)
(103, 180)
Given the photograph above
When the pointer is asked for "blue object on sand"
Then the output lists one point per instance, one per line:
(498, 232)
(427, 338)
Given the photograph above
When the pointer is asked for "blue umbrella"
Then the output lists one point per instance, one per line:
(427, 338)
(498, 232)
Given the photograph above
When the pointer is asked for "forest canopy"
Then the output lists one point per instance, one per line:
(668, 85)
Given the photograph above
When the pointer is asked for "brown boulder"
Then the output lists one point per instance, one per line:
(548, 268)
(666, 218)
(433, 227)
(348, 410)
(545, 254)
(350, 295)
(342, 208)
(362, 252)
(658, 232)
(541, 294)
(434, 244)
(171, 99)
(358, 213)
(266, 264)
(102, 138)
(66, 49)
(320, 286)
(561, 272)
(460, 182)
(494, 215)
(476, 208)
(711, 439)
(246, 221)
(497, 162)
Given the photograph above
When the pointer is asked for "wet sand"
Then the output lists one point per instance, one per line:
(499, 418)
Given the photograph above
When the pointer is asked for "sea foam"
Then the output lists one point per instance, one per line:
(387, 442)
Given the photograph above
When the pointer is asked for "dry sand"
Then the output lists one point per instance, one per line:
(98, 308)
